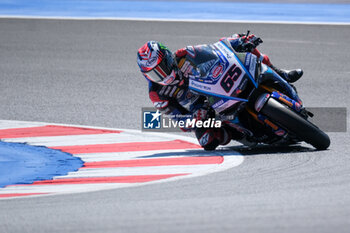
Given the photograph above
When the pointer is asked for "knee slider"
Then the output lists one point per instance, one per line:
(207, 139)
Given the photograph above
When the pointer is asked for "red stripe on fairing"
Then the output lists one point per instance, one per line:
(97, 180)
(51, 130)
(157, 162)
(19, 194)
(130, 146)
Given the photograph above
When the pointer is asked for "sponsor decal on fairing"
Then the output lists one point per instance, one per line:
(217, 71)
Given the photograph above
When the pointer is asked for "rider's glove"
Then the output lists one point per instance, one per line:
(249, 43)
(255, 40)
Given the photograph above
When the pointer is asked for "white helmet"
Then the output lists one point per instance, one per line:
(157, 63)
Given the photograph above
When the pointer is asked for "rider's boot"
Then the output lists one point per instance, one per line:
(290, 76)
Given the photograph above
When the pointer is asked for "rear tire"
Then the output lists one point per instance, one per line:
(291, 121)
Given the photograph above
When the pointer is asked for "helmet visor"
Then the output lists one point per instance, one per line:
(162, 70)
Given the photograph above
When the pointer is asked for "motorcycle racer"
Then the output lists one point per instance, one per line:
(168, 75)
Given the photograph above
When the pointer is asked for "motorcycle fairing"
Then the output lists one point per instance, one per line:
(229, 65)
(248, 59)
(201, 62)
(288, 101)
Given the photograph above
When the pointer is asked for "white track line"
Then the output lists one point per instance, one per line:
(137, 171)
(59, 189)
(6, 124)
(172, 20)
(117, 156)
(75, 140)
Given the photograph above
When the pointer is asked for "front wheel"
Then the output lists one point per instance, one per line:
(295, 124)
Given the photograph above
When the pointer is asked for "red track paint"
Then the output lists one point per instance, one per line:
(130, 146)
(51, 130)
(19, 194)
(96, 180)
(157, 162)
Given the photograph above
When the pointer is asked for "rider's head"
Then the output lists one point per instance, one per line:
(157, 63)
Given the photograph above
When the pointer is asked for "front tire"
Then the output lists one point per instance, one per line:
(295, 124)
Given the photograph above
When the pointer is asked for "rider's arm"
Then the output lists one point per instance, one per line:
(180, 53)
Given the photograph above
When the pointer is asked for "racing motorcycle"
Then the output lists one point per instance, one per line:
(249, 96)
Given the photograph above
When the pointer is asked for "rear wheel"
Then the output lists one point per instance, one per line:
(296, 124)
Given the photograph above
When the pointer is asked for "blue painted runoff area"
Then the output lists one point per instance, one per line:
(221, 11)
(23, 164)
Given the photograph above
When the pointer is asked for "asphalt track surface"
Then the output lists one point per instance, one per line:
(85, 72)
